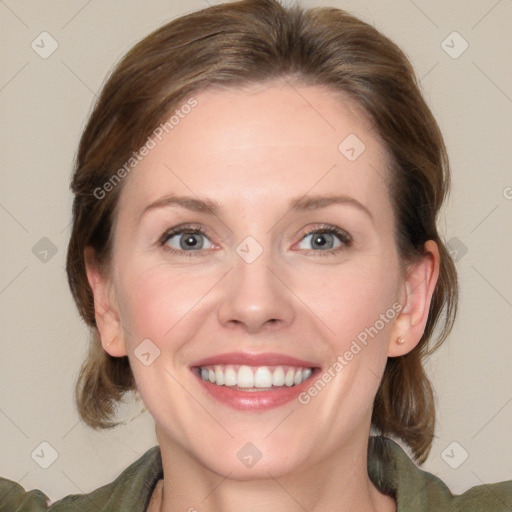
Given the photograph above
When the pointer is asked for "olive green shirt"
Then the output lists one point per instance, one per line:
(389, 467)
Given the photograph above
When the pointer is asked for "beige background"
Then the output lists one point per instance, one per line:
(44, 104)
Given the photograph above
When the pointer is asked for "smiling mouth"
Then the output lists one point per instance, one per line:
(254, 378)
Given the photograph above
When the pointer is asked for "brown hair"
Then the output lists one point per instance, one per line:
(250, 42)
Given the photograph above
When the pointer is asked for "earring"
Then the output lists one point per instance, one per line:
(111, 341)
(400, 340)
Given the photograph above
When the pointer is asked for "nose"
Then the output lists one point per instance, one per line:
(255, 297)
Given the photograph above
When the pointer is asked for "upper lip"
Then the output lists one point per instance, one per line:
(244, 358)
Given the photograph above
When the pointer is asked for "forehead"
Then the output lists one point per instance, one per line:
(265, 143)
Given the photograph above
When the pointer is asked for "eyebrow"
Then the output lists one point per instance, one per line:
(315, 202)
(210, 207)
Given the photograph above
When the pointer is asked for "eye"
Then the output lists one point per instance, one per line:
(186, 239)
(325, 239)
(190, 239)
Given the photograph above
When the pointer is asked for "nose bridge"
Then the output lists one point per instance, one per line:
(253, 295)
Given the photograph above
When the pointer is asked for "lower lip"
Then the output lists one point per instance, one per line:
(255, 400)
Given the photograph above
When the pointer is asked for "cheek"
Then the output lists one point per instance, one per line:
(155, 300)
(354, 299)
(154, 303)
(151, 305)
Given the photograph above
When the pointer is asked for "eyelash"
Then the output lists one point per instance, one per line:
(343, 236)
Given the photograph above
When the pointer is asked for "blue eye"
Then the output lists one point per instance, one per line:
(186, 239)
(325, 239)
(190, 240)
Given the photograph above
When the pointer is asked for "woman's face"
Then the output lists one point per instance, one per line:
(283, 249)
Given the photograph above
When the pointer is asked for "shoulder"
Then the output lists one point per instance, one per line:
(130, 491)
(394, 473)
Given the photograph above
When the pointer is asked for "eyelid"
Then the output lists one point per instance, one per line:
(334, 229)
(344, 237)
(181, 229)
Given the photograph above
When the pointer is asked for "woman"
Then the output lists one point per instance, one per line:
(255, 250)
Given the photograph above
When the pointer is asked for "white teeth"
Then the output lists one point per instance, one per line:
(288, 380)
(245, 377)
(262, 378)
(278, 377)
(229, 376)
(250, 377)
(219, 376)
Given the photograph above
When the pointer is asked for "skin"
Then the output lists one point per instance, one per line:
(253, 150)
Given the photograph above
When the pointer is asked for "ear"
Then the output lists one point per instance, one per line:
(106, 309)
(416, 295)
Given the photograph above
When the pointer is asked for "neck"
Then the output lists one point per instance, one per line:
(339, 483)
